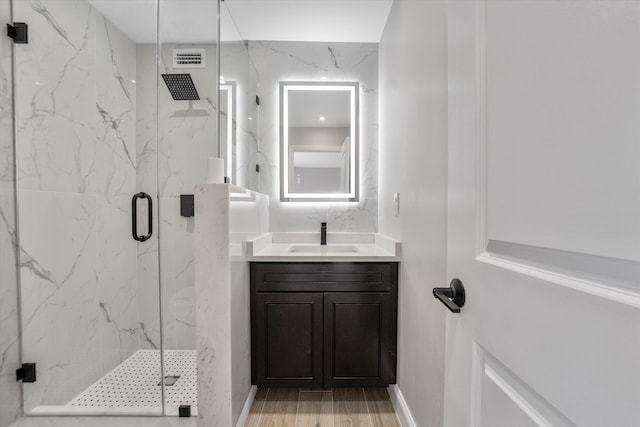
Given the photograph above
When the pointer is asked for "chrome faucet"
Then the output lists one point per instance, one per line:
(323, 233)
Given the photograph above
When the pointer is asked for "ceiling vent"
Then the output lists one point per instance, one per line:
(188, 58)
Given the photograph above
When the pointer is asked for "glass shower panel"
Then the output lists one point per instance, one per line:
(187, 126)
(86, 136)
(239, 116)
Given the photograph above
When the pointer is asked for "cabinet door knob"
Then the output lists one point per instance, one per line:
(453, 296)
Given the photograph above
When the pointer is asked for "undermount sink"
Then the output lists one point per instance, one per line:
(324, 248)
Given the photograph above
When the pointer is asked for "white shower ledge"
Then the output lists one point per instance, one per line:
(341, 247)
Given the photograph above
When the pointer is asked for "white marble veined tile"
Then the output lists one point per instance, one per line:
(166, 226)
(56, 99)
(185, 317)
(6, 113)
(222, 305)
(212, 305)
(116, 65)
(59, 293)
(10, 401)
(118, 324)
(76, 133)
(175, 259)
(115, 70)
(187, 130)
(177, 275)
(183, 296)
(75, 118)
(187, 138)
(148, 293)
(166, 229)
(146, 119)
(170, 120)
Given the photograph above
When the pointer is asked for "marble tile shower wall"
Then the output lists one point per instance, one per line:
(276, 61)
(10, 401)
(76, 173)
(176, 162)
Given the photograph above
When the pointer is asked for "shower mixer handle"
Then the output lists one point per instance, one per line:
(134, 216)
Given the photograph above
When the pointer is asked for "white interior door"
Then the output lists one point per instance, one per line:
(544, 213)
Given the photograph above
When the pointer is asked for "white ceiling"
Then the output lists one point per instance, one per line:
(310, 20)
(193, 21)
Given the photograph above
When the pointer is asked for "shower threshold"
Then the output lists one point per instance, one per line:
(133, 387)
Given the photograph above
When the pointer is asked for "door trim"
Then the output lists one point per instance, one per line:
(485, 367)
(547, 273)
(501, 254)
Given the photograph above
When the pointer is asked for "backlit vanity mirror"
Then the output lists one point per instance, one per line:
(319, 141)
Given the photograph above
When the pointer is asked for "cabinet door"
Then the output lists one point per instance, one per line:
(288, 339)
(357, 339)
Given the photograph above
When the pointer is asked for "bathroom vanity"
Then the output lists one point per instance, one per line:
(323, 323)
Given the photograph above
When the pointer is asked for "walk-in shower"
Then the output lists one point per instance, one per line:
(107, 296)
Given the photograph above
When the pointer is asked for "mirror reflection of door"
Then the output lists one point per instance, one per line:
(320, 169)
(319, 140)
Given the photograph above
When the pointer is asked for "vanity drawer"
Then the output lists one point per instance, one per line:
(325, 276)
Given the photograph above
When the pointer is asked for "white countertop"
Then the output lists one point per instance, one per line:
(341, 247)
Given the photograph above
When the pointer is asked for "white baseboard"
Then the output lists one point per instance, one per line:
(244, 415)
(401, 407)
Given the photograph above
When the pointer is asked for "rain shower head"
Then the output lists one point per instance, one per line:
(181, 87)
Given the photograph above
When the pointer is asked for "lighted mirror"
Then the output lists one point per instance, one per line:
(319, 141)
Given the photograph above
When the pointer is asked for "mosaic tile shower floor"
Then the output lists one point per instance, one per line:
(134, 385)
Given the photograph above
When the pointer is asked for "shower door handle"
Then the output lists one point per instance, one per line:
(134, 216)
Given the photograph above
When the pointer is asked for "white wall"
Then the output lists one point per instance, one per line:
(413, 162)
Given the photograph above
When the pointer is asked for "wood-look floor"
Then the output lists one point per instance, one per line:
(293, 407)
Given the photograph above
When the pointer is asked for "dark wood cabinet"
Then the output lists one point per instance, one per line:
(323, 324)
(291, 327)
(357, 339)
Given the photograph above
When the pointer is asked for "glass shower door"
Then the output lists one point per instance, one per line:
(187, 137)
(86, 120)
